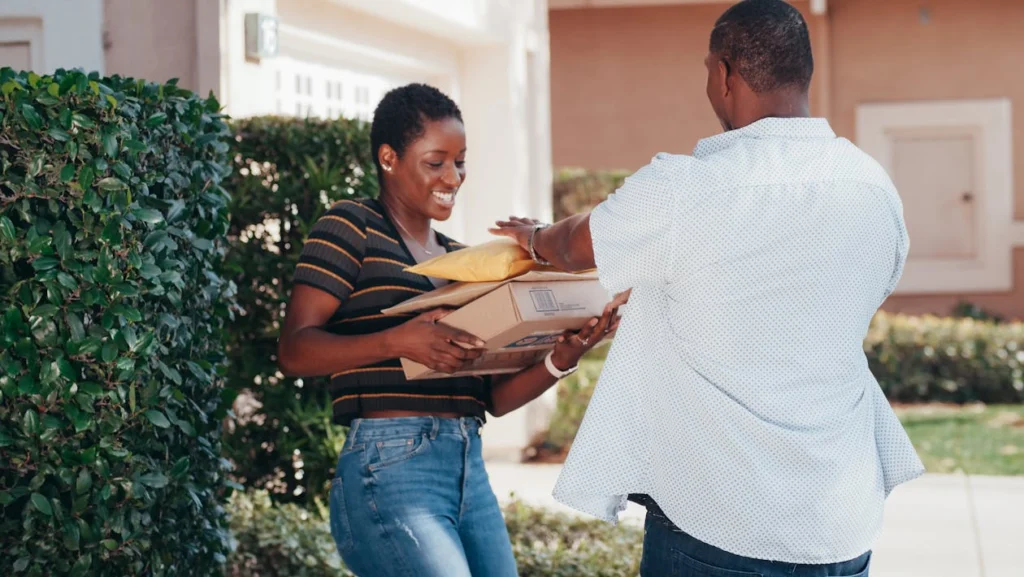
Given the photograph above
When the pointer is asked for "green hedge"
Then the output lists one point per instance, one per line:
(578, 190)
(111, 315)
(287, 173)
(915, 359)
(951, 360)
(286, 540)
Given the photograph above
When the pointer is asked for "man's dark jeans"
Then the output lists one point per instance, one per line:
(668, 552)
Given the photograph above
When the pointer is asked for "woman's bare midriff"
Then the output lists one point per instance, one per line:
(400, 414)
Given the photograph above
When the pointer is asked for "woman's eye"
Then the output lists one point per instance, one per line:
(435, 164)
(460, 163)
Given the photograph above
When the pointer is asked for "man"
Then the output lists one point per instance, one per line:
(736, 402)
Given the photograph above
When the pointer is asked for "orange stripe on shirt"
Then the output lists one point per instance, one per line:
(346, 221)
(382, 235)
(387, 261)
(334, 247)
(387, 288)
(326, 272)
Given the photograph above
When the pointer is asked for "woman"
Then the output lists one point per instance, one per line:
(410, 495)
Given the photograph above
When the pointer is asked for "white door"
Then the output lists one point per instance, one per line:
(936, 178)
(952, 163)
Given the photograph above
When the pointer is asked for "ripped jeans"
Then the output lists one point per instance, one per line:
(411, 498)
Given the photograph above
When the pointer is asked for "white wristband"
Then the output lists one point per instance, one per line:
(555, 372)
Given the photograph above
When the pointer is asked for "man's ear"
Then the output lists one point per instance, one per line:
(726, 76)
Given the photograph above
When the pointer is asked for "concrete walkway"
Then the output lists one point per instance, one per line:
(936, 526)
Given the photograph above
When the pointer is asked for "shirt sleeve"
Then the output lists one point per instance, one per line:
(902, 247)
(332, 256)
(632, 231)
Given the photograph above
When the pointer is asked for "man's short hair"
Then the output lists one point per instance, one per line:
(768, 44)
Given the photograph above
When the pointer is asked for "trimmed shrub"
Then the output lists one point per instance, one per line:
(949, 360)
(286, 540)
(111, 315)
(287, 173)
(578, 190)
(283, 540)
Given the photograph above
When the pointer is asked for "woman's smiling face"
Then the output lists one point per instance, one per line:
(427, 176)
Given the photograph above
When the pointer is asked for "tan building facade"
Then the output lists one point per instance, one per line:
(930, 88)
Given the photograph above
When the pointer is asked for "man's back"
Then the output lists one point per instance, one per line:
(737, 394)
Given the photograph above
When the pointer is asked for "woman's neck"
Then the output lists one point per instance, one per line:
(408, 221)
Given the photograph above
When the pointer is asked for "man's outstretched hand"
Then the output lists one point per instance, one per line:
(517, 228)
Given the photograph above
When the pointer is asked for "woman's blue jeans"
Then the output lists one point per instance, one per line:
(411, 498)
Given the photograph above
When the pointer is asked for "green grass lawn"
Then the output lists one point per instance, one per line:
(975, 439)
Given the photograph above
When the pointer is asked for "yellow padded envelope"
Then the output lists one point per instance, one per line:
(497, 260)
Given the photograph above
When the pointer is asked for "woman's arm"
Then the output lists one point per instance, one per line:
(511, 392)
(306, 349)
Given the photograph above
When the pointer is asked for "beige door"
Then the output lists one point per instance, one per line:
(17, 55)
(936, 178)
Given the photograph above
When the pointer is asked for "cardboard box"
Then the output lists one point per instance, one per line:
(519, 320)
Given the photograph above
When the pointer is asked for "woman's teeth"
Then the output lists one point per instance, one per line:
(445, 198)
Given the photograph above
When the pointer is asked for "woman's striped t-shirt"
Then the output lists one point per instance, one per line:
(355, 253)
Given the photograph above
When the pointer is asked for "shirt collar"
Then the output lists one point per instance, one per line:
(767, 128)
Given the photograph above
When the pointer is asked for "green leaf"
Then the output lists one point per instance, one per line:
(155, 480)
(109, 352)
(6, 228)
(131, 397)
(67, 174)
(58, 134)
(67, 281)
(35, 122)
(149, 215)
(181, 467)
(52, 422)
(84, 482)
(157, 418)
(109, 544)
(83, 121)
(36, 166)
(21, 564)
(71, 536)
(45, 263)
(156, 120)
(111, 183)
(30, 422)
(110, 144)
(86, 176)
(45, 311)
(42, 504)
(75, 326)
(27, 385)
(81, 567)
(53, 90)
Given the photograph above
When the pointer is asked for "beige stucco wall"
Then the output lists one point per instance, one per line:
(152, 39)
(629, 82)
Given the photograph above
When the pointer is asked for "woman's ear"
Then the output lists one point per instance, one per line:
(387, 157)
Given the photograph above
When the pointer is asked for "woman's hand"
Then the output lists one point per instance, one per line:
(440, 347)
(573, 345)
